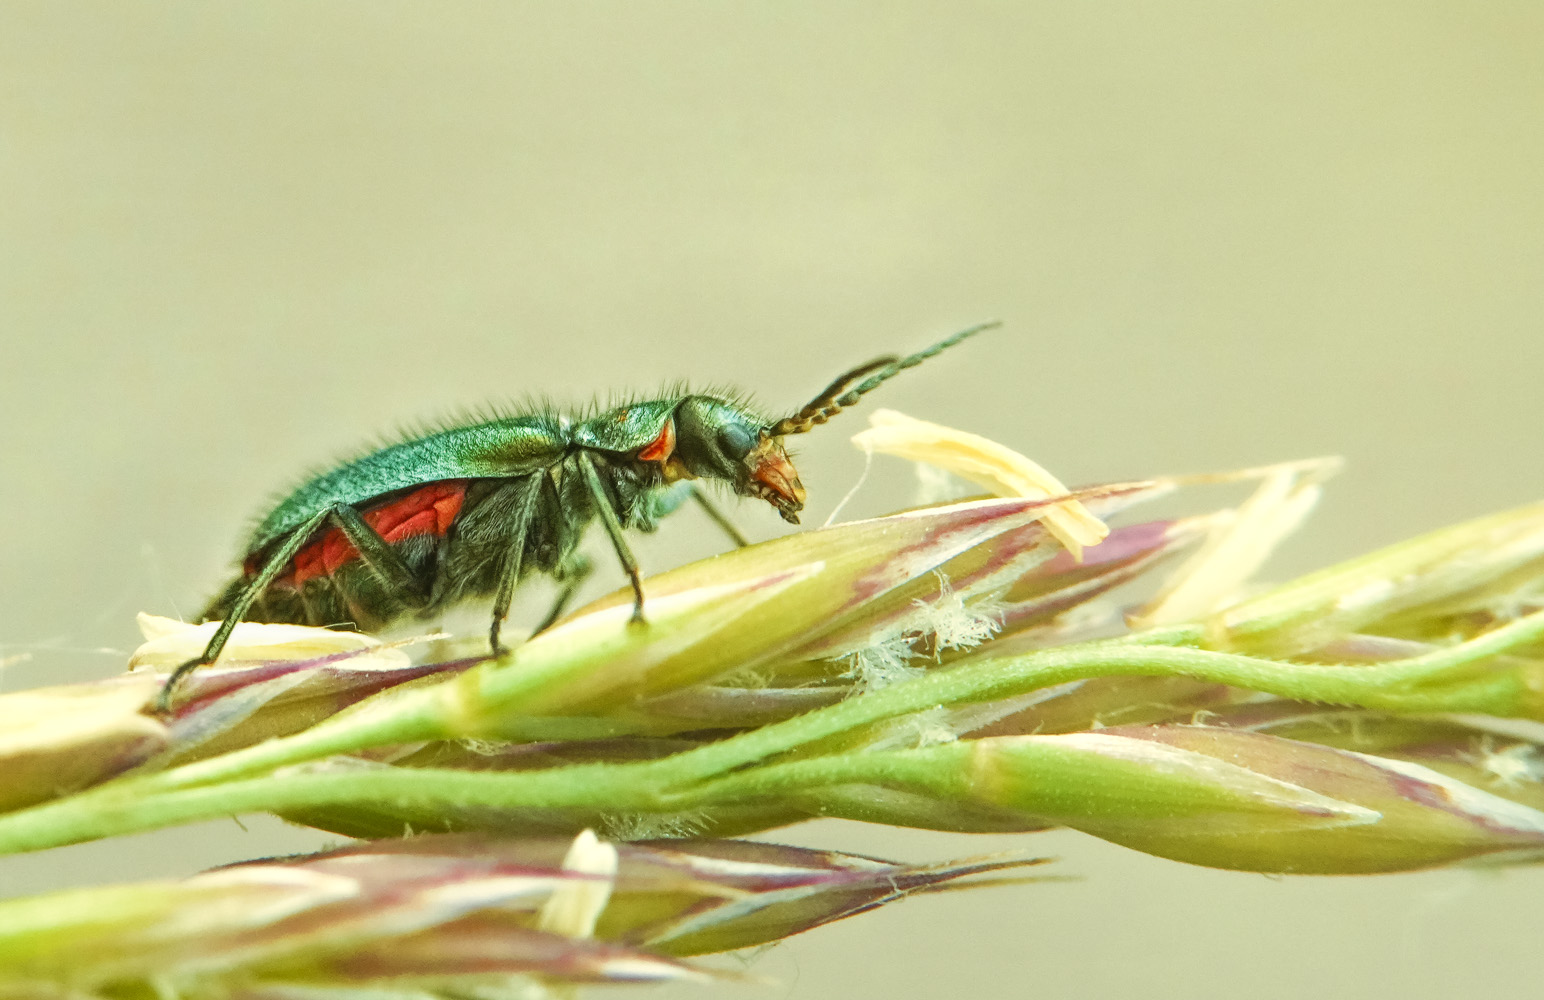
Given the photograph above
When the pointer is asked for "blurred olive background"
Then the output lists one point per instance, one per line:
(238, 240)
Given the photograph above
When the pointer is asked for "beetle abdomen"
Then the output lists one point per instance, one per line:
(452, 536)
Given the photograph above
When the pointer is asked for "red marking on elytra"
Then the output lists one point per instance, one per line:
(428, 510)
(662, 447)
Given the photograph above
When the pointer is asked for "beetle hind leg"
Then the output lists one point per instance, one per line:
(377, 554)
(241, 605)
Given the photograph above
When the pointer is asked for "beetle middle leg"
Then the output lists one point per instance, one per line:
(608, 517)
(523, 508)
(374, 551)
(571, 577)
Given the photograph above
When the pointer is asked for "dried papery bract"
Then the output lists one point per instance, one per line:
(1239, 544)
(996, 468)
(574, 907)
(169, 642)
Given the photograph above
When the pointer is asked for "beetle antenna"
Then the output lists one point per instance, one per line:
(836, 397)
(828, 396)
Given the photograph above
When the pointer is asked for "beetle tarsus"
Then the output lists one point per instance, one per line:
(163, 699)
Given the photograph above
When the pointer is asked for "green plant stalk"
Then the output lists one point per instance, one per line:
(154, 801)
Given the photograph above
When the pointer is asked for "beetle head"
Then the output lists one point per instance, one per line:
(718, 440)
(711, 438)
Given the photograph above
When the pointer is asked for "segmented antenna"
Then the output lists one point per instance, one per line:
(827, 396)
(833, 399)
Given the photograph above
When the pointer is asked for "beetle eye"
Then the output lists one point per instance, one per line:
(736, 440)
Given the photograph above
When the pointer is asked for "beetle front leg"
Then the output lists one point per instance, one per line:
(608, 516)
(719, 517)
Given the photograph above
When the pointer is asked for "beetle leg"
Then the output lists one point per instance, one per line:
(573, 577)
(380, 557)
(719, 517)
(527, 490)
(608, 517)
(271, 569)
(375, 551)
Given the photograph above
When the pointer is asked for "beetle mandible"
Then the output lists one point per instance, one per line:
(469, 510)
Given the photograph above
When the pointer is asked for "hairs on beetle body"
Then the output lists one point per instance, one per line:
(468, 508)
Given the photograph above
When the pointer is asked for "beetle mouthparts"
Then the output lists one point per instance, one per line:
(774, 480)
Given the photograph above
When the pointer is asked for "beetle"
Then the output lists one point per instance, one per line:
(467, 511)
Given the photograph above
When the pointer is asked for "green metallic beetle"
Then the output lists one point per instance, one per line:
(468, 511)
